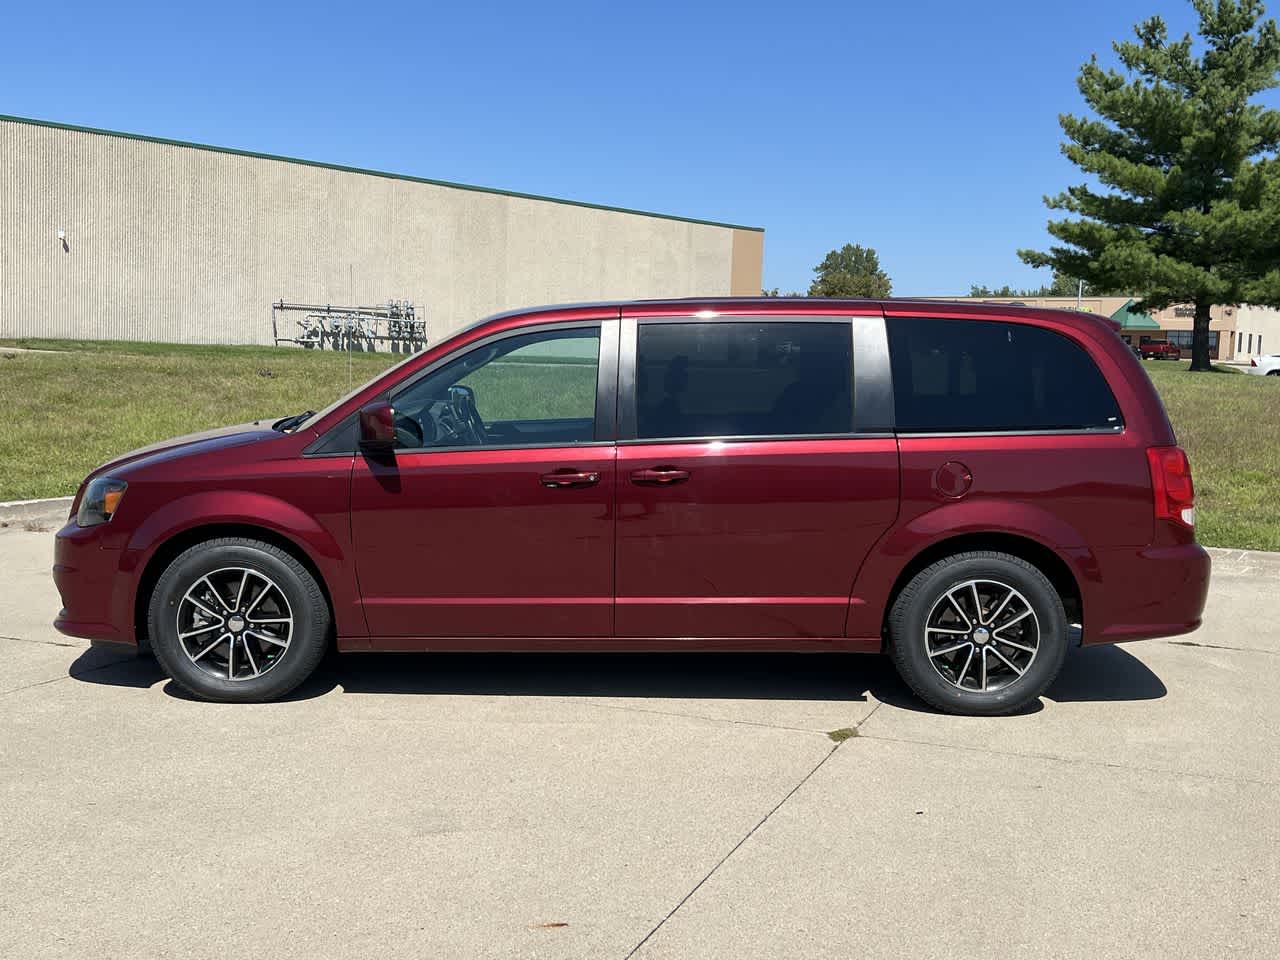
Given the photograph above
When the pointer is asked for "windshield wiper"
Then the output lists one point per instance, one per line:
(289, 424)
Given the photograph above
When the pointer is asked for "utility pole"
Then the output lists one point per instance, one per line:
(1079, 293)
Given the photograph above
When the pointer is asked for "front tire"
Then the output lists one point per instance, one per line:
(980, 633)
(236, 620)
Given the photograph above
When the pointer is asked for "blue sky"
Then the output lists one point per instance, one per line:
(926, 129)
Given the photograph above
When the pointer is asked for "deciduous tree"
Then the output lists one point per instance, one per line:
(851, 271)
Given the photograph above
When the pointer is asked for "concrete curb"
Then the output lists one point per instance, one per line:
(1244, 562)
(51, 512)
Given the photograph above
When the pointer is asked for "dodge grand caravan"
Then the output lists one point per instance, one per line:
(971, 488)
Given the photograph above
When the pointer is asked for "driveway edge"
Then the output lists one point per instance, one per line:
(1243, 562)
(42, 512)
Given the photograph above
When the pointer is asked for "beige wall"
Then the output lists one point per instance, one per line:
(1264, 324)
(168, 242)
(747, 269)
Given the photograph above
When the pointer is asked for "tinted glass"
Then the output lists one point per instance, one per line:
(743, 379)
(964, 376)
(534, 389)
(1183, 339)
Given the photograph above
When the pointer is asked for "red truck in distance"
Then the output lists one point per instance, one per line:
(1160, 350)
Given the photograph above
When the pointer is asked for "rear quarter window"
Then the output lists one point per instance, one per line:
(981, 376)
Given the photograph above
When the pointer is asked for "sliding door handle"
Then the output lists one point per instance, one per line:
(659, 476)
(569, 477)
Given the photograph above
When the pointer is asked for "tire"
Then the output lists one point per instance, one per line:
(274, 621)
(1273, 373)
(998, 633)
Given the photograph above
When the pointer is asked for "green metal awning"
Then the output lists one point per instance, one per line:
(1131, 319)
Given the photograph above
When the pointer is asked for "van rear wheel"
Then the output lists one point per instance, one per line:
(238, 621)
(980, 633)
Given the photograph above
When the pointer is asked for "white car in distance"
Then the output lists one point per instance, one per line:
(1266, 366)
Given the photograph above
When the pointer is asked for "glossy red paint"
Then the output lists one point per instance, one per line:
(253, 478)
(474, 543)
(377, 425)
(762, 539)
(719, 544)
(1077, 496)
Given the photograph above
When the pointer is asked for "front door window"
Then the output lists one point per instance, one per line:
(536, 388)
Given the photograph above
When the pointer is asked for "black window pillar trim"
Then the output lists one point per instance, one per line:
(872, 377)
(628, 336)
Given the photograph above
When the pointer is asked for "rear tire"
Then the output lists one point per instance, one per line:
(235, 620)
(979, 633)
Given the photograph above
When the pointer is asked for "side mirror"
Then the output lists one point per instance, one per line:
(377, 427)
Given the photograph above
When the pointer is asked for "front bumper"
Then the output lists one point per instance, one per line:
(94, 593)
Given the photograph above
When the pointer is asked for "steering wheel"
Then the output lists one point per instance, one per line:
(474, 422)
(409, 433)
(463, 401)
(446, 429)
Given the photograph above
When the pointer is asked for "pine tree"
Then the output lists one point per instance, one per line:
(1186, 207)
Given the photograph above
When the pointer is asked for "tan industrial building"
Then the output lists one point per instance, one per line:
(106, 235)
(1235, 332)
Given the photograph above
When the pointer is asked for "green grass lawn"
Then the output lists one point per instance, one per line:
(64, 413)
(1229, 424)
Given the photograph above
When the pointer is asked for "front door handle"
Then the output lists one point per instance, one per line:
(568, 477)
(659, 476)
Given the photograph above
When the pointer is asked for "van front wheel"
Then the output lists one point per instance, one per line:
(979, 633)
(238, 621)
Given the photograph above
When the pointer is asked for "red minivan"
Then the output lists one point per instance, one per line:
(971, 488)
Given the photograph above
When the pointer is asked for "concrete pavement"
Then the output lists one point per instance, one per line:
(660, 806)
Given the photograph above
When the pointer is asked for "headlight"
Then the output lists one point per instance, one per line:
(100, 501)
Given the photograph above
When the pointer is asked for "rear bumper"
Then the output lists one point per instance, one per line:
(94, 593)
(1147, 592)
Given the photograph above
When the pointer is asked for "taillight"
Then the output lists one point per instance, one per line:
(1175, 496)
(1253, 361)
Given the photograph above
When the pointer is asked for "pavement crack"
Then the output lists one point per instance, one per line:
(1220, 646)
(50, 643)
(719, 863)
(70, 675)
(863, 722)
